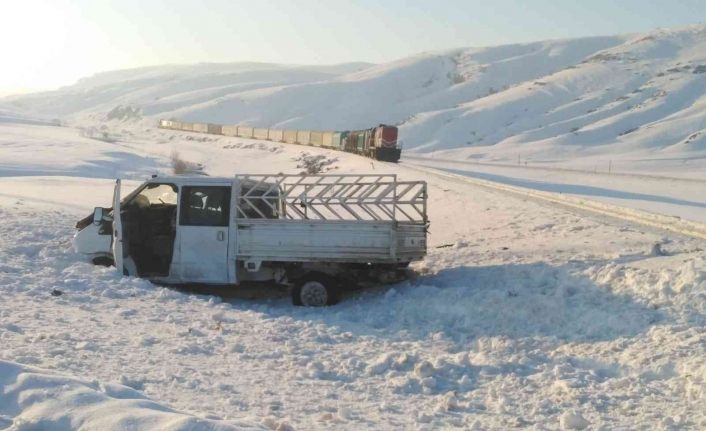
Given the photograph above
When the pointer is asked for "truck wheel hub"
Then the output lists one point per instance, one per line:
(314, 294)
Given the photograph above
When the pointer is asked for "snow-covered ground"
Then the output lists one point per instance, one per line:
(524, 315)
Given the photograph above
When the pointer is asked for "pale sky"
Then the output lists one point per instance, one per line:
(49, 43)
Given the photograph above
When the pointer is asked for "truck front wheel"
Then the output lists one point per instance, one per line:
(315, 290)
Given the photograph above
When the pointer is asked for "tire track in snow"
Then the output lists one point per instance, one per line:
(671, 224)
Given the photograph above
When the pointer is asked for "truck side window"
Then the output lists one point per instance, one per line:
(204, 206)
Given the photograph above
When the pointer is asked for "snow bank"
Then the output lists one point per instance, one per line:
(34, 399)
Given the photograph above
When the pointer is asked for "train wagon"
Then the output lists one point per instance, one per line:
(245, 132)
(316, 138)
(327, 140)
(303, 137)
(260, 133)
(200, 127)
(289, 136)
(229, 130)
(214, 129)
(339, 140)
(275, 135)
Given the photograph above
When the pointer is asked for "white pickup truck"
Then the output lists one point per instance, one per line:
(316, 234)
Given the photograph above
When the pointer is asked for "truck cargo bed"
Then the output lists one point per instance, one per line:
(330, 240)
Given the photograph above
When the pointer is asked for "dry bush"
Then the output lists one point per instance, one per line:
(181, 166)
(315, 164)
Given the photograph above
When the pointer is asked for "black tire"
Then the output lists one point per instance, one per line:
(316, 289)
(103, 261)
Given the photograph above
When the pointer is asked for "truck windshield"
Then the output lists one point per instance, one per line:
(153, 194)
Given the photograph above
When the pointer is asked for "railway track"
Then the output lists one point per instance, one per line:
(414, 158)
(645, 218)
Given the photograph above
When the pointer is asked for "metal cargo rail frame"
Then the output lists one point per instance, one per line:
(331, 197)
(351, 219)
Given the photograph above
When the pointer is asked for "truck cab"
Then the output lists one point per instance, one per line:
(335, 231)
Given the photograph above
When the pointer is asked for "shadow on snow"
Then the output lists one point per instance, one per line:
(464, 303)
(575, 189)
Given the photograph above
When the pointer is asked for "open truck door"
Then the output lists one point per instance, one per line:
(117, 230)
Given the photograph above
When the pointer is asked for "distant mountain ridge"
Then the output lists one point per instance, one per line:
(560, 98)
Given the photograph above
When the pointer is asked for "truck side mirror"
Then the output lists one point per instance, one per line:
(97, 215)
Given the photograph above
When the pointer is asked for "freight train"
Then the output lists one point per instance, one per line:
(379, 143)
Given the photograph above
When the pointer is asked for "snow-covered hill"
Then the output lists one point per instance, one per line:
(641, 95)
(335, 97)
(646, 95)
(163, 90)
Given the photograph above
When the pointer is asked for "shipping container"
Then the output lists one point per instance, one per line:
(339, 140)
(275, 135)
(316, 138)
(229, 130)
(215, 129)
(328, 140)
(303, 137)
(200, 127)
(259, 133)
(351, 143)
(290, 136)
(245, 132)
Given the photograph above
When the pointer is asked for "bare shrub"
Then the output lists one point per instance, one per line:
(315, 164)
(181, 166)
(100, 135)
(124, 113)
(458, 79)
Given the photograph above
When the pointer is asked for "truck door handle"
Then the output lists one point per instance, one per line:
(221, 235)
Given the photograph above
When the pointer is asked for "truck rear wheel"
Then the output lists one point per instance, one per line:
(103, 261)
(315, 290)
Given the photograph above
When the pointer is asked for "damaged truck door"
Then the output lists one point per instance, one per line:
(204, 218)
(144, 231)
(117, 245)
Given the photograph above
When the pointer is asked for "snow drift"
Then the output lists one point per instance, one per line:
(33, 399)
